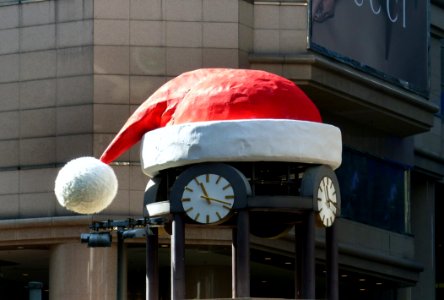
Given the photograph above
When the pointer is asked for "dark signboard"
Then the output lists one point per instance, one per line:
(387, 38)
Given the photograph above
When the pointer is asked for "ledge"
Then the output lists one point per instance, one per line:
(342, 91)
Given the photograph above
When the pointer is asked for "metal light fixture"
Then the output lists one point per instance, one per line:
(97, 239)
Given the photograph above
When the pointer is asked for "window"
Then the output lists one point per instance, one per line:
(11, 2)
(374, 191)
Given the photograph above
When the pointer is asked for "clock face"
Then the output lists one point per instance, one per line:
(327, 201)
(208, 198)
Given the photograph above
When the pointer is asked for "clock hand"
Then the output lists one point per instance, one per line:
(215, 200)
(205, 192)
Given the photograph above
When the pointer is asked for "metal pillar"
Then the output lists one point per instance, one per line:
(152, 263)
(332, 263)
(241, 256)
(305, 264)
(178, 258)
(121, 267)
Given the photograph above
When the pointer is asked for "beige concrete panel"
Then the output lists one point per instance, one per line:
(74, 119)
(36, 13)
(134, 153)
(220, 35)
(73, 146)
(120, 205)
(9, 182)
(37, 37)
(111, 32)
(138, 180)
(180, 60)
(266, 40)
(92, 269)
(146, 9)
(9, 40)
(37, 151)
(31, 232)
(227, 58)
(246, 38)
(179, 10)
(9, 16)
(9, 156)
(111, 89)
(184, 34)
(75, 90)
(109, 118)
(221, 10)
(10, 206)
(74, 61)
(37, 122)
(293, 17)
(9, 125)
(292, 41)
(37, 180)
(37, 65)
(61, 211)
(266, 16)
(111, 60)
(123, 176)
(11, 63)
(136, 204)
(37, 205)
(101, 141)
(272, 68)
(111, 9)
(72, 10)
(37, 93)
(141, 87)
(9, 93)
(147, 61)
(244, 59)
(246, 13)
(72, 34)
(147, 33)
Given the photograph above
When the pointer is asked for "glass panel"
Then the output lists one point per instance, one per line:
(374, 191)
(8, 2)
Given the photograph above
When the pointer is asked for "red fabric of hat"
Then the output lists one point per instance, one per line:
(211, 95)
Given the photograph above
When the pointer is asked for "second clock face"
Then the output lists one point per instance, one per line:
(208, 198)
(327, 201)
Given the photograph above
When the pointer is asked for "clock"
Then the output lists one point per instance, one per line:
(327, 201)
(209, 193)
(321, 183)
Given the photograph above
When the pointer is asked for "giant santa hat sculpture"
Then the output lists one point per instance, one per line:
(207, 115)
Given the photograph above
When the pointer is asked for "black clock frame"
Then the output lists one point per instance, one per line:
(237, 180)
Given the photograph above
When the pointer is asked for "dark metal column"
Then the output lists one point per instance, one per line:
(121, 267)
(309, 262)
(178, 258)
(241, 256)
(332, 263)
(305, 263)
(152, 263)
(298, 259)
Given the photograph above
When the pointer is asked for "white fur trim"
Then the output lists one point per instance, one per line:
(86, 185)
(241, 140)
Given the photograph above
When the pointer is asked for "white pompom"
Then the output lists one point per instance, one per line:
(86, 185)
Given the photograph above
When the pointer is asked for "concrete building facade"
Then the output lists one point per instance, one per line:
(72, 71)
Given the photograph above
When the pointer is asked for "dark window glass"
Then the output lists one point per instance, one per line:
(373, 191)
